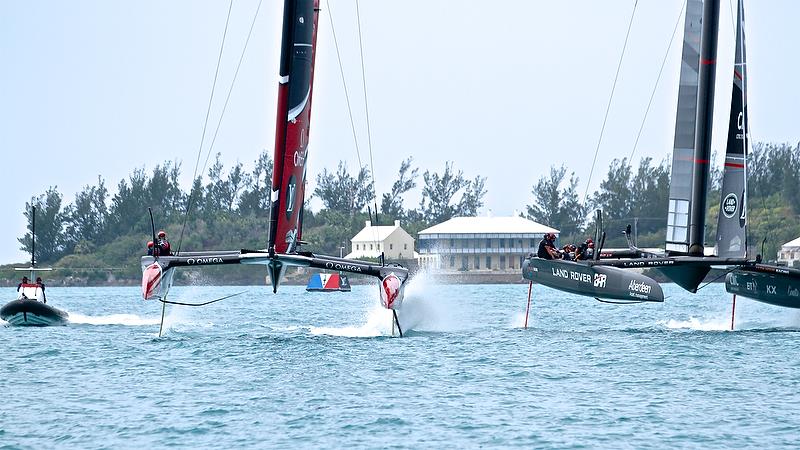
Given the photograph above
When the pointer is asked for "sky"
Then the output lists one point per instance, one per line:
(99, 88)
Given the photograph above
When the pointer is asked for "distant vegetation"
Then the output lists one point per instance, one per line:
(229, 209)
(100, 237)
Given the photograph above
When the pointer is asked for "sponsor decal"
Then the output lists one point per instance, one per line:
(734, 281)
(751, 286)
(572, 275)
(195, 261)
(291, 194)
(639, 288)
(772, 289)
(300, 155)
(793, 292)
(600, 280)
(343, 266)
(729, 205)
(668, 262)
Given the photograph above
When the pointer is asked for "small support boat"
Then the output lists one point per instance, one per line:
(28, 312)
(31, 308)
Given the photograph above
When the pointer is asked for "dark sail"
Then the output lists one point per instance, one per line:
(692, 148)
(731, 228)
(292, 124)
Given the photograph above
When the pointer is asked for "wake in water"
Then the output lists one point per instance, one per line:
(787, 322)
(114, 319)
(422, 310)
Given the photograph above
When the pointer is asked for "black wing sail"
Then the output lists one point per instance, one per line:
(732, 225)
(692, 148)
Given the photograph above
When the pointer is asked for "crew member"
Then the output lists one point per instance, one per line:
(584, 251)
(547, 248)
(569, 252)
(149, 248)
(41, 286)
(21, 289)
(163, 244)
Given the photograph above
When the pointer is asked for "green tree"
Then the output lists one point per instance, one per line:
(255, 199)
(392, 202)
(615, 197)
(649, 197)
(50, 225)
(86, 221)
(557, 206)
(343, 192)
(449, 195)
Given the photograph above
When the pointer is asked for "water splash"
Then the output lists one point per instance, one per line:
(114, 319)
(697, 324)
(378, 323)
(423, 309)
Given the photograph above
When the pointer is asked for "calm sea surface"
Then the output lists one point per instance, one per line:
(302, 369)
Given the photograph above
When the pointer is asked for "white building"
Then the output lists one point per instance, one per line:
(789, 253)
(480, 243)
(393, 241)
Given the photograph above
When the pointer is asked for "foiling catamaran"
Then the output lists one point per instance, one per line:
(684, 262)
(298, 50)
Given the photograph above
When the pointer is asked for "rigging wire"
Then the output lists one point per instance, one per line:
(610, 98)
(366, 112)
(375, 234)
(658, 79)
(230, 89)
(222, 114)
(205, 125)
(344, 83)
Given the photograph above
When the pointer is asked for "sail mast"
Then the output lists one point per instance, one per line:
(692, 151)
(33, 237)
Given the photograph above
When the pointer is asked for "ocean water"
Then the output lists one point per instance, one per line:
(321, 370)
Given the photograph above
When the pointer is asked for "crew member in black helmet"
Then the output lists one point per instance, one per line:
(41, 286)
(547, 247)
(20, 290)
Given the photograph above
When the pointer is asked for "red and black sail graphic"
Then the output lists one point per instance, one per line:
(292, 123)
(731, 229)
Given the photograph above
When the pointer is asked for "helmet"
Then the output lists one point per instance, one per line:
(162, 234)
(589, 241)
(591, 244)
(149, 244)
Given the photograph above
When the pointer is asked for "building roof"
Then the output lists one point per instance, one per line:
(794, 243)
(377, 233)
(470, 225)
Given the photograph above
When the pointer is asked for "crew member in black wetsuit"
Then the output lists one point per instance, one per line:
(41, 286)
(20, 291)
(547, 247)
(585, 251)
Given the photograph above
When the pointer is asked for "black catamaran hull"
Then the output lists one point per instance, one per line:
(32, 313)
(595, 281)
(777, 286)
